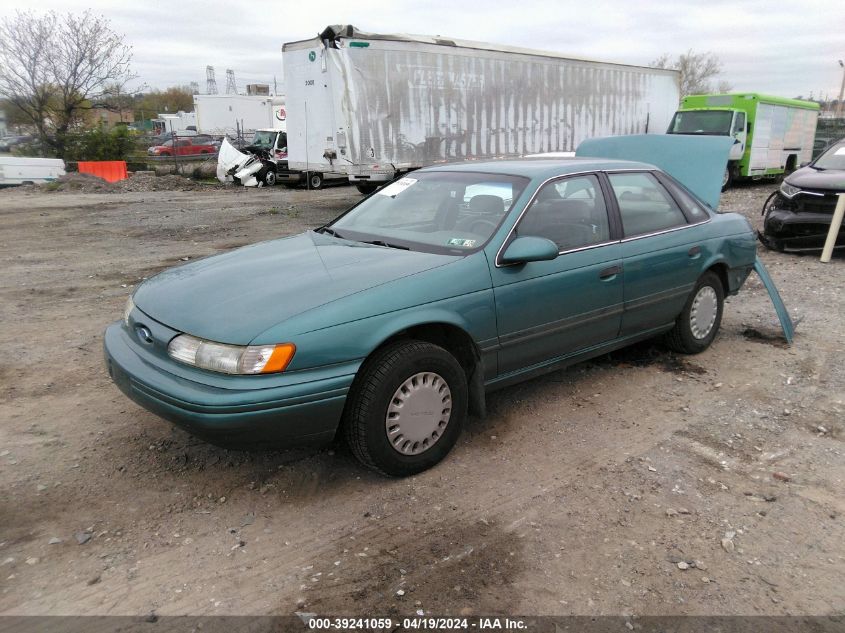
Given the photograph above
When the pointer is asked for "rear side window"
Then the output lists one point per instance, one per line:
(691, 208)
(644, 204)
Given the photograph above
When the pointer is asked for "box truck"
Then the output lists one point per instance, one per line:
(772, 135)
(372, 106)
(222, 115)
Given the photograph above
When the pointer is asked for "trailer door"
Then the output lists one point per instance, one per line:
(310, 111)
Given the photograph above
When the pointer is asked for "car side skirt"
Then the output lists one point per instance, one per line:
(570, 359)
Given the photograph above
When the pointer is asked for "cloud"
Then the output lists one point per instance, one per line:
(776, 48)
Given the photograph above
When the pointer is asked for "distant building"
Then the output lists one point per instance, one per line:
(110, 117)
(261, 90)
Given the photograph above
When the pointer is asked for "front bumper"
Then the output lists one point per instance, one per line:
(788, 230)
(301, 413)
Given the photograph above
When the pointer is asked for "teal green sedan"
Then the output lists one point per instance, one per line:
(390, 324)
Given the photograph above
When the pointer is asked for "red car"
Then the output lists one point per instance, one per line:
(184, 147)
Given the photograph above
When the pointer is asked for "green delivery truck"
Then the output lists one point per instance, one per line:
(772, 135)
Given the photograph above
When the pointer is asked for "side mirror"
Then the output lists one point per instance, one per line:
(803, 165)
(529, 249)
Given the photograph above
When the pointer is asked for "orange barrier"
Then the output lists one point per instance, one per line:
(108, 170)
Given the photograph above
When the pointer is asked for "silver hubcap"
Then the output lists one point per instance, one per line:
(702, 316)
(725, 177)
(418, 413)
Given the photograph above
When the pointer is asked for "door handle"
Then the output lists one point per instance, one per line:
(695, 251)
(608, 273)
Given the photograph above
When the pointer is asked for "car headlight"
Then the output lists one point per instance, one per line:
(231, 359)
(130, 305)
(788, 190)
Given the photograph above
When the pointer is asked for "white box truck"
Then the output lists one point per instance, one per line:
(221, 115)
(372, 106)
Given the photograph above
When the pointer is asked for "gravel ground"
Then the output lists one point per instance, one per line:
(639, 483)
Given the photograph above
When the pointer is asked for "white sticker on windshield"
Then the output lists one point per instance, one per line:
(457, 241)
(839, 152)
(394, 189)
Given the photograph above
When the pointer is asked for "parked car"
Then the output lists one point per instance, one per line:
(391, 322)
(182, 147)
(797, 216)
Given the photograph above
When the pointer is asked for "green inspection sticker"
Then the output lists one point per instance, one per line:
(312, 56)
(457, 241)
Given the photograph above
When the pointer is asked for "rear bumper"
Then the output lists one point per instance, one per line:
(278, 417)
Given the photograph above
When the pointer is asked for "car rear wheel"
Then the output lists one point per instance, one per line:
(699, 321)
(406, 408)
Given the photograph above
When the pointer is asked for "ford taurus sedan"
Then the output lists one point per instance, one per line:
(389, 324)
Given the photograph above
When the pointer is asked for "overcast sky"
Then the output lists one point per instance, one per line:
(782, 48)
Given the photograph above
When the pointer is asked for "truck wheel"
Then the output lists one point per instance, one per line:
(699, 321)
(270, 178)
(728, 178)
(315, 180)
(366, 187)
(406, 408)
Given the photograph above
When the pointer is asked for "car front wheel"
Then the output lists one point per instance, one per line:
(699, 321)
(406, 408)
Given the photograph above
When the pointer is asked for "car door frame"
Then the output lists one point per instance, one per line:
(508, 372)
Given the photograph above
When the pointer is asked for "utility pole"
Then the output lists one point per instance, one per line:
(839, 106)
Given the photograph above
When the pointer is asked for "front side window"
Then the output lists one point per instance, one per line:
(739, 123)
(441, 212)
(645, 206)
(570, 212)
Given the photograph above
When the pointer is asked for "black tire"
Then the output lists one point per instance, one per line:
(366, 187)
(728, 177)
(270, 178)
(373, 392)
(315, 180)
(682, 338)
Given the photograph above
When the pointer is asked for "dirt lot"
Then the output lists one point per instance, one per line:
(638, 483)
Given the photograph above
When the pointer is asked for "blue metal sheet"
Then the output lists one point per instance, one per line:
(780, 307)
(698, 162)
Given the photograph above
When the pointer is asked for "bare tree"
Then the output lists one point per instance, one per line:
(696, 69)
(52, 66)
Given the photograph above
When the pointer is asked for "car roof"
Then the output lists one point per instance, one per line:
(540, 167)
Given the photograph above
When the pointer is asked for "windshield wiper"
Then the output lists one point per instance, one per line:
(388, 245)
(328, 231)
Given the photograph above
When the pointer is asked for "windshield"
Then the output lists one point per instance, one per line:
(710, 122)
(834, 158)
(439, 212)
(264, 139)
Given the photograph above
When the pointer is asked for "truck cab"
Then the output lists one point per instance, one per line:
(771, 135)
(274, 142)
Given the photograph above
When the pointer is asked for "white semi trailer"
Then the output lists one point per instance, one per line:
(372, 106)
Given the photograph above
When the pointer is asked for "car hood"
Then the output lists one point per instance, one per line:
(809, 178)
(233, 297)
